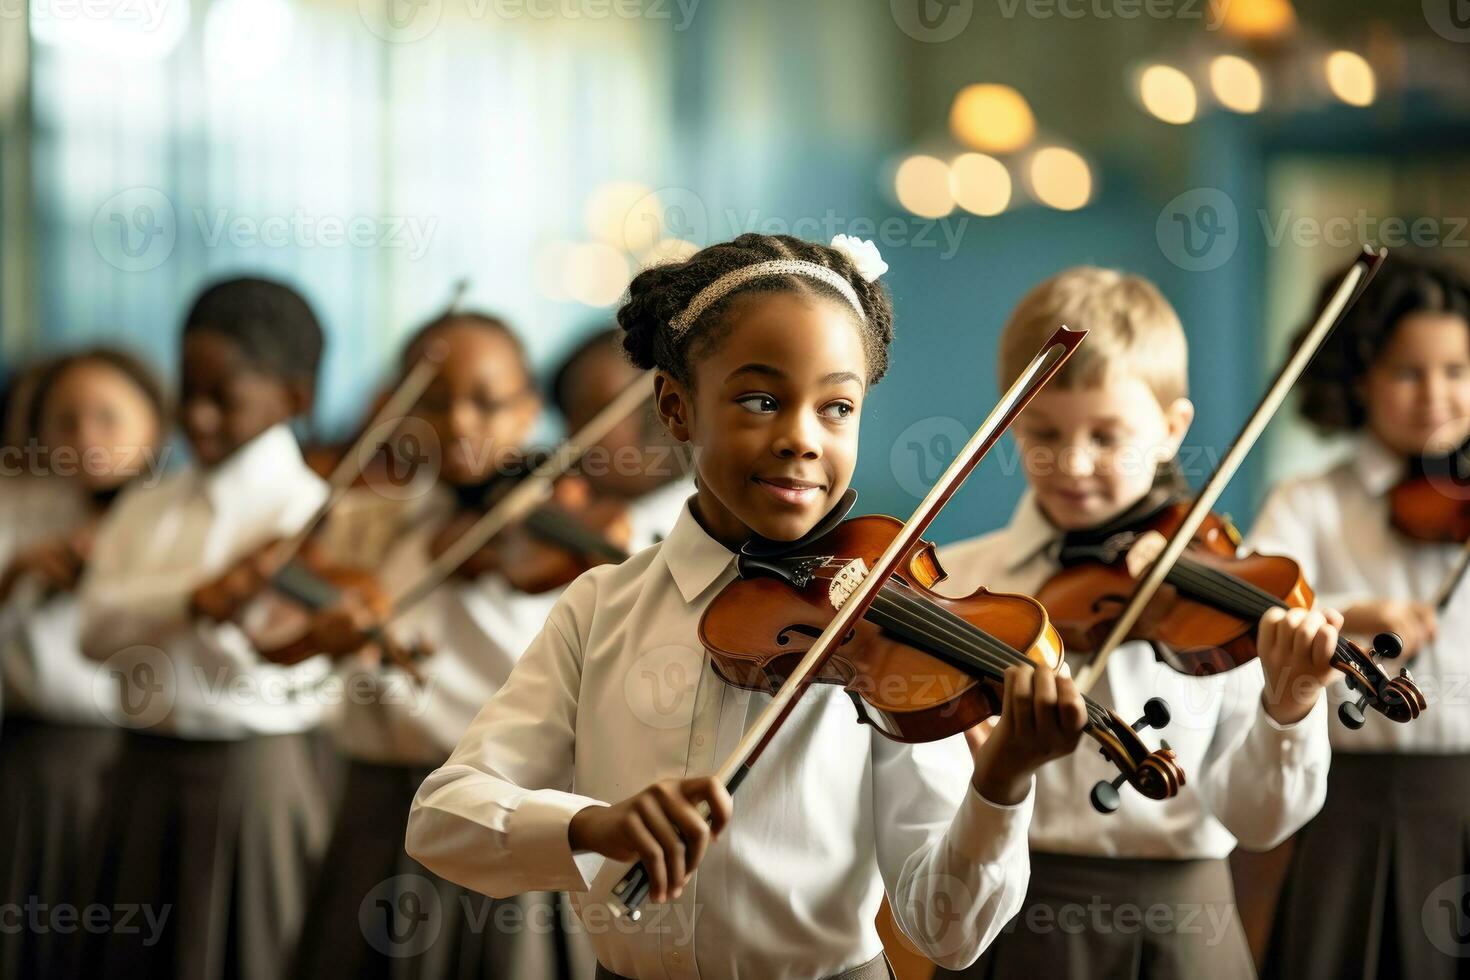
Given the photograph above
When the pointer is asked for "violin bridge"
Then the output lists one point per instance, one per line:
(846, 581)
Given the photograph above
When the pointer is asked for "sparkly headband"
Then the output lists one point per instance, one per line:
(864, 256)
(723, 286)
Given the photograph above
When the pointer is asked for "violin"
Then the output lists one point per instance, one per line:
(920, 666)
(1432, 502)
(1203, 620)
(317, 585)
(851, 603)
(575, 530)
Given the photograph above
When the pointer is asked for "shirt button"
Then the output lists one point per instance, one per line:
(699, 740)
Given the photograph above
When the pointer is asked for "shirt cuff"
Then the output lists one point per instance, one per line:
(983, 831)
(540, 825)
(1292, 743)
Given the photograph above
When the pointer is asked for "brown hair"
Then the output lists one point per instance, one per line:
(1331, 387)
(1131, 329)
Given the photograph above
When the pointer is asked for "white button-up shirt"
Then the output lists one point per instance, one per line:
(615, 694)
(477, 631)
(44, 673)
(179, 676)
(1337, 526)
(1248, 779)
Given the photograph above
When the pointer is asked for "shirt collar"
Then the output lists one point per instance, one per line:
(694, 559)
(1376, 466)
(267, 461)
(1029, 533)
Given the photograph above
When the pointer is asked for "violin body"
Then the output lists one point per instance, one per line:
(1192, 637)
(573, 532)
(1203, 620)
(919, 666)
(873, 664)
(1421, 509)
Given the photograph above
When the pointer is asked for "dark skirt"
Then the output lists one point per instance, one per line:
(377, 913)
(1114, 918)
(1379, 884)
(50, 787)
(203, 857)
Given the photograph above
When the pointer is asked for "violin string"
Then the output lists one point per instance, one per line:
(950, 632)
(963, 627)
(1248, 600)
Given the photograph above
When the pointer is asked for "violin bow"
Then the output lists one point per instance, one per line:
(373, 438)
(631, 890)
(404, 397)
(1452, 581)
(1357, 278)
(528, 494)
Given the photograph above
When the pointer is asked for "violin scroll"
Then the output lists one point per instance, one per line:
(1398, 698)
(1156, 774)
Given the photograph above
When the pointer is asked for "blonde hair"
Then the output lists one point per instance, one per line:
(1131, 328)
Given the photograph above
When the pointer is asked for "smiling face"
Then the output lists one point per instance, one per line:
(1417, 392)
(1092, 452)
(772, 414)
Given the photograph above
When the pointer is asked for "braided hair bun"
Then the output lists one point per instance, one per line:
(659, 294)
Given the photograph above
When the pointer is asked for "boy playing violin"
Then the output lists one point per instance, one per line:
(1144, 891)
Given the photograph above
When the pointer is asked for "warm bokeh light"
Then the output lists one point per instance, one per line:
(1168, 94)
(1351, 78)
(980, 184)
(1236, 83)
(1060, 178)
(596, 274)
(922, 186)
(625, 215)
(1258, 20)
(994, 118)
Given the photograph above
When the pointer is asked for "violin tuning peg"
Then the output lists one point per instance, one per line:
(1164, 744)
(1155, 715)
(1105, 796)
(1350, 713)
(1388, 645)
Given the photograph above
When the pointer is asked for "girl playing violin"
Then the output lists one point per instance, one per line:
(98, 417)
(1144, 891)
(598, 745)
(214, 818)
(479, 411)
(1373, 888)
